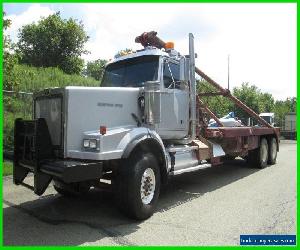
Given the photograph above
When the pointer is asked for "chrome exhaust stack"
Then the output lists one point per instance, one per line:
(193, 118)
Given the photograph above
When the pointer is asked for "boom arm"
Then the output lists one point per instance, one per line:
(226, 92)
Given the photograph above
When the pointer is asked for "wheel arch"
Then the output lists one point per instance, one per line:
(146, 143)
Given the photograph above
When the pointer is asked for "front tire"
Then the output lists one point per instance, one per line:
(138, 186)
(259, 156)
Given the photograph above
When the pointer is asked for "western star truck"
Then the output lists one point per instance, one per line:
(144, 124)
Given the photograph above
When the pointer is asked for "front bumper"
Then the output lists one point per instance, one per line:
(72, 171)
(33, 152)
(67, 171)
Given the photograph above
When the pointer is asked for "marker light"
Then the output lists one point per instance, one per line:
(169, 45)
(102, 130)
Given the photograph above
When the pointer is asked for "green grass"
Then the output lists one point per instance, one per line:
(7, 168)
(30, 79)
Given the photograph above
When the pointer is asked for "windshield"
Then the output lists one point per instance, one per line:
(267, 118)
(131, 72)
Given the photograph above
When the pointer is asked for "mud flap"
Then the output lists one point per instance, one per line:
(19, 172)
(32, 144)
(41, 182)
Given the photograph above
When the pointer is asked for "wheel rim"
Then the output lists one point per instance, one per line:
(147, 186)
(264, 152)
(273, 149)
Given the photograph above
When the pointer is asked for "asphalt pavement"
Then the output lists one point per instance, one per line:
(208, 207)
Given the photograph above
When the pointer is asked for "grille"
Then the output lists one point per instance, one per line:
(50, 108)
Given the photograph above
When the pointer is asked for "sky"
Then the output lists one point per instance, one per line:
(259, 38)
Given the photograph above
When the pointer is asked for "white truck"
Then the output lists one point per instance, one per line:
(144, 124)
(268, 117)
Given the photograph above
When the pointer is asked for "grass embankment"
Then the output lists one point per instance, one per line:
(7, 168)
(31, 79)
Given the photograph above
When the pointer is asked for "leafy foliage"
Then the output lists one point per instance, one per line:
(34, 79)
(283, 107)
(10, 80)
(95, 69)
(53, 42)
(7, 168)
(217, 104)
(251, 96)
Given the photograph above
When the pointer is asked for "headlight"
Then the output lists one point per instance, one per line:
(86, 143)
(93, 144)
(90, 143)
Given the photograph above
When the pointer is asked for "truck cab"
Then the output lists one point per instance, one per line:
(163, 74)
(268, 117)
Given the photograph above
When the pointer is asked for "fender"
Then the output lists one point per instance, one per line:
(140, 135)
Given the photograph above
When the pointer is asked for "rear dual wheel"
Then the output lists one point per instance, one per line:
(259, 156)
(265, 154)
(272, 151)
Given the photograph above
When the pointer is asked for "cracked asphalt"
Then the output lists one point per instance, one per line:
(209, 207)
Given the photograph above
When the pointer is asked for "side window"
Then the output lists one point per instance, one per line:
(171, 75)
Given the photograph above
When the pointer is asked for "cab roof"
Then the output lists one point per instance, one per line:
(266, 114)
(152, 51)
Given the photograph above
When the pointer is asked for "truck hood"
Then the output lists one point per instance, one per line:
(88, 108)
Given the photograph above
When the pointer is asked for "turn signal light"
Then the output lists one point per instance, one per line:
(102, 130)
(169, 45)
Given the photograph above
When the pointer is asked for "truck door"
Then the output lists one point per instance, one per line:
(174, 103)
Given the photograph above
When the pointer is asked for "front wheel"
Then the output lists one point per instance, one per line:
(138, 186)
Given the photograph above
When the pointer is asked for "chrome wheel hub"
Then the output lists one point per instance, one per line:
(147, 186)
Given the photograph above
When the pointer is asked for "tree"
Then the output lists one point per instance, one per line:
(219, 105)
(255, 99)
(95, 69)
(266, 103)
(10, 79)
(53, 42)
(281, 108)
(248, 94)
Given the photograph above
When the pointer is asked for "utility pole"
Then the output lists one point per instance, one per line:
(228, 71)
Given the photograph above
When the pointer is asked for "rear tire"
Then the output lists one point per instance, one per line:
(71, 190)
(272, 151)
(259, 156)
(138, 186)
